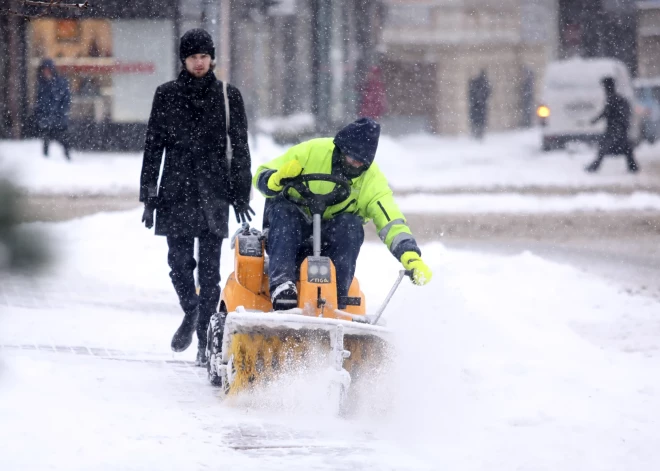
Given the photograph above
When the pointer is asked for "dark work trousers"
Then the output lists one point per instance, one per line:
(181, 258)
(288, 236)
(59, 134)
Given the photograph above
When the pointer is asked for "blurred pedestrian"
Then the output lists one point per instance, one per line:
(615, 141)
(478, 94)
(206, 169)
(374, 98)
(52, 107)
(527, 97)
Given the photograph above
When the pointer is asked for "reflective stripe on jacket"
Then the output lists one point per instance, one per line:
(371, 197)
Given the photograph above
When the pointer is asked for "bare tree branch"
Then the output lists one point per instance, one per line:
(56, 4)
(47, 6)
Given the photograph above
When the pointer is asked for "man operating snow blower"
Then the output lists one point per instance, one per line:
(349, 155)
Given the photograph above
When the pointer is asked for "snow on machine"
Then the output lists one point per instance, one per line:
(249, 345)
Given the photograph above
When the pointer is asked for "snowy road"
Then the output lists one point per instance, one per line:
(506, 362)
(535, 348)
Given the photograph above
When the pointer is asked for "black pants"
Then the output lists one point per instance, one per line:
(478, 126)
(181, 258)
(58, 134)
(624, 148)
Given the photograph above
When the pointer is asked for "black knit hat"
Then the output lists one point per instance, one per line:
(196, 41)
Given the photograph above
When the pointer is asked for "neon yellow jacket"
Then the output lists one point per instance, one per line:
(371, 197)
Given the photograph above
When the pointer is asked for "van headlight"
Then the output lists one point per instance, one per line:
(543, 112)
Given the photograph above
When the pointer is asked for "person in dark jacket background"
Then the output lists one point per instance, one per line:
(615, 141)
(198, 181)
(478, 94)
(52, 106)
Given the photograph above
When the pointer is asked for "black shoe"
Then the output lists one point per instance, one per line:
(285, 297)
(592, 168)
(201, 359)
(633, 168)
(184, 334)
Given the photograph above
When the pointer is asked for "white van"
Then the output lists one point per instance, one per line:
(573, 96)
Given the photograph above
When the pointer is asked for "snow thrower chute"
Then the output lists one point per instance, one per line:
(249, 345)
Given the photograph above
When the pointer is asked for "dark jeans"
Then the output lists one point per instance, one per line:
(58, 134)
(181, 258)
(288, 235)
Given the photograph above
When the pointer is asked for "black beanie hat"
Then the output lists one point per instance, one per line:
(359, 140)
(196, 41)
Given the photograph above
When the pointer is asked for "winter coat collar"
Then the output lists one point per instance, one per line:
(196, 88)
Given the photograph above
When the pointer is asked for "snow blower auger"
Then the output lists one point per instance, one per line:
(249, 345)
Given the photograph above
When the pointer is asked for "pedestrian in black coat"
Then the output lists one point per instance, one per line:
(51, 110)
(199, 179)
(478, 94)
(615, 141)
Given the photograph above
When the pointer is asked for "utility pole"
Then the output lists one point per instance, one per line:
(225, 40)
(210, 17)
(14, 79)
(322, 20)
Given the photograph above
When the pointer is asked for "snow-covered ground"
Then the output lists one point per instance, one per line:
(415, 163)
(505, 362)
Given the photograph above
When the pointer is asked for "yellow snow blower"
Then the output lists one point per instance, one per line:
(249, 345)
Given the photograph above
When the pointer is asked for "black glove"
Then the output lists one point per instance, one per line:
(148, 216)
(242, 211)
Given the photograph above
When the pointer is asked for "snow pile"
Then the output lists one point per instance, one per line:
(520, 203)
(413, 163)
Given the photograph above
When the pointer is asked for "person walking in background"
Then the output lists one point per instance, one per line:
(615, 141)
(206, 169)
(374, 98)
(52, 107)
(478, 93)
(527, 98)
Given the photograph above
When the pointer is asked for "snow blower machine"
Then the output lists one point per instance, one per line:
(249, 345)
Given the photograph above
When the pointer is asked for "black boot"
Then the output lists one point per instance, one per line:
(202, 328)
(285, 297)
(183, 335)
(201, 359)
(593, 167)
(632, 166)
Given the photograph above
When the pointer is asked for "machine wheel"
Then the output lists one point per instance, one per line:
(214, 347)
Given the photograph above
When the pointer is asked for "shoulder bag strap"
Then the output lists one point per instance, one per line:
(229, 151)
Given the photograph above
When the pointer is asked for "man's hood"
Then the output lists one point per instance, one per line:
(359, 140)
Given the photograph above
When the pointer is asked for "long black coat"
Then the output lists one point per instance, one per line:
(196, 188)
(617, 116)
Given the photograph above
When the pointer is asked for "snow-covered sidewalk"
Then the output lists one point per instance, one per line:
(412, 164)
(504, 362)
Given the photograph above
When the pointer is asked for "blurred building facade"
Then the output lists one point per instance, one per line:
(288, 57)
(431, 50)
(648, 39)
(599, 28)
(113, 54)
